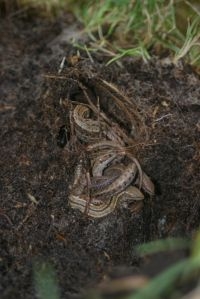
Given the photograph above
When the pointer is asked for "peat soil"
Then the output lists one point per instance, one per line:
(36, 223)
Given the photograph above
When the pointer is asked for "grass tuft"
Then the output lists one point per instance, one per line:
(127, 27)
(131, 27)
(162, 245)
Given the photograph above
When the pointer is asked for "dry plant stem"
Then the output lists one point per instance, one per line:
(98, 108)
(31, 210)
(73, 143)
(125, 99)
(106, 86)
(2, 214)
(125, 138)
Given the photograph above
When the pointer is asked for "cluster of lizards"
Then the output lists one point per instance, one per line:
(112, 177)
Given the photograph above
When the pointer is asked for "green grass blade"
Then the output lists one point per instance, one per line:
(162, 245)
(45, 282)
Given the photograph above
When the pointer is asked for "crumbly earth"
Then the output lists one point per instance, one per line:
(36, 222)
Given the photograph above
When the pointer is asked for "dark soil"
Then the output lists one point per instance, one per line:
(36, 222)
